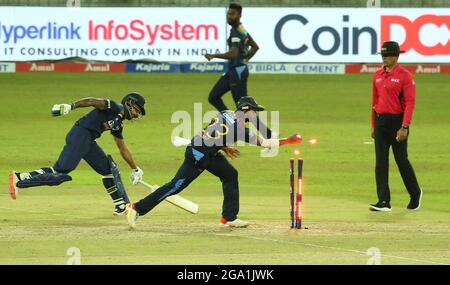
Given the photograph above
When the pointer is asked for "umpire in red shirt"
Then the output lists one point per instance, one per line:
(393, 99)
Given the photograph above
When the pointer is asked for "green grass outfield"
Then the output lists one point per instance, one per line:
(44, 222)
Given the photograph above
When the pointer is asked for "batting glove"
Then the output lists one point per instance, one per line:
(61, 109)
(136, 175)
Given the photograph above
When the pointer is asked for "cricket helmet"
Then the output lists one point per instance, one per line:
(248, 103)
(135, 99)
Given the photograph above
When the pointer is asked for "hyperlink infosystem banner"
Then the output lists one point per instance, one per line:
(318, 35)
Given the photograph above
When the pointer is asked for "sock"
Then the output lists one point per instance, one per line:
(113, 191)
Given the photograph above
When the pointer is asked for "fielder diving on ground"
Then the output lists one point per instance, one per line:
(225, 129)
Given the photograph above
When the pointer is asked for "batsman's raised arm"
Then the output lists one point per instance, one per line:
(64, 109)
(90, 102)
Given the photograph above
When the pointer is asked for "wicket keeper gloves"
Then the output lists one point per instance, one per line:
(136, 175)
(61, 109)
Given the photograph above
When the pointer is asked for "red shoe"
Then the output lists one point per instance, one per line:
(13, 190)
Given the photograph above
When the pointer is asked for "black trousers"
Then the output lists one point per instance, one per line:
(386, 127)
(236, 81)
(217, 165)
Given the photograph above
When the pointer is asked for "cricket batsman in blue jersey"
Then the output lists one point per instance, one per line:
(107, 115)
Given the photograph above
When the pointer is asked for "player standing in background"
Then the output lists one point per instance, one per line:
(81, 144)
(393, 100)
(203, 154)
(235, 79)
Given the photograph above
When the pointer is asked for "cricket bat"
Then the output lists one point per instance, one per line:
(176, 200)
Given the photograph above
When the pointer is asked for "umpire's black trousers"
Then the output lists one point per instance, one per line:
(386, 127)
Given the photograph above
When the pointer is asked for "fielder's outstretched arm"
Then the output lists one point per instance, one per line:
(272, 143)
(260, 141)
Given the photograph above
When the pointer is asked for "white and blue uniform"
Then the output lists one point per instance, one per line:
(203, 153)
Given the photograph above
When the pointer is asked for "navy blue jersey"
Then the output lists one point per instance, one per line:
(110, 119)
(224, 130)
(239, 38)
